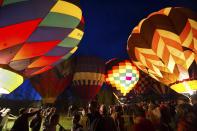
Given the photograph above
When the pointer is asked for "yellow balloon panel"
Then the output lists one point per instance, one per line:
(9, 81)
(185, 87)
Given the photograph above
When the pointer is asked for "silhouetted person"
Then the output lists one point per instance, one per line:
(49, 112)
(106, 122)
(165, 119)
(186, 118)
(140, 122)
(4, 113)
(21, 123)
(54, 120)
(76, 125)
(119, 120)
(36, 122)
(182, 100)
(93, 116)
(72, 110)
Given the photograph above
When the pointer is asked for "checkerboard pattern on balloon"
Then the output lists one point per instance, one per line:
(123, 76)
(143, 85)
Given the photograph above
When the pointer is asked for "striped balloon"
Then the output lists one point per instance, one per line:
(36, 35)
(88, 77)
(164, 45)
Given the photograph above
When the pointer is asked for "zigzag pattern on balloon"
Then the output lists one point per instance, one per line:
(169, 50)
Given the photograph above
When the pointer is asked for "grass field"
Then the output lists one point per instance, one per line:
(65, 122)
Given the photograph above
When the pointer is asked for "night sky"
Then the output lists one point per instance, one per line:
(108, 23)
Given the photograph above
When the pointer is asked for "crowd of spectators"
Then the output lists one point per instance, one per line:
(174, 115)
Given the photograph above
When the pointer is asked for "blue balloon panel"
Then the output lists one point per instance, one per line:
(24, 92)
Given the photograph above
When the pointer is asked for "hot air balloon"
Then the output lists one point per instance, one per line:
(149, 88)
(161, 89)
(164, 46)
(105, 96)
(52, 83)
(143, 85)
(122, 76)
(25, 91)
(35, 35)
(88, 77)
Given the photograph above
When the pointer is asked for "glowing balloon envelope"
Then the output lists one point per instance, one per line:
(122, 75)
(36, 35)
(51, 84)
(89, 76)
(164, 45)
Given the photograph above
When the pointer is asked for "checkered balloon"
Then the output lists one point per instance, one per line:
(147, 85)
(122, 75)
(144, 84)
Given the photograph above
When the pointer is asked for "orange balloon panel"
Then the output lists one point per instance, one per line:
(164, 45)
